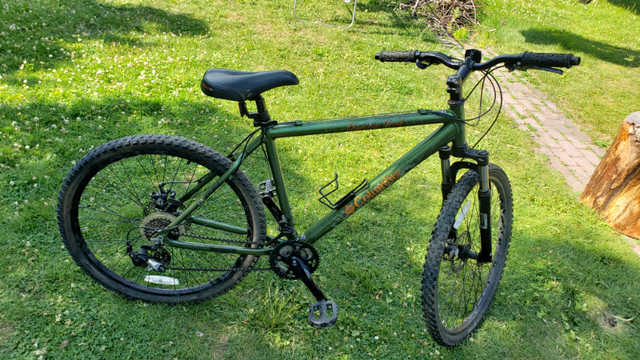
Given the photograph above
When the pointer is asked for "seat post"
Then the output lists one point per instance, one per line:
(263, 114)
(261, 117)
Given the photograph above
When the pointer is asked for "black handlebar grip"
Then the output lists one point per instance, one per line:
(397, 56)
(549, 60)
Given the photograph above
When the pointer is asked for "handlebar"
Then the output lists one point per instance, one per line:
(527, 59)
(398, 56)
(549, 60)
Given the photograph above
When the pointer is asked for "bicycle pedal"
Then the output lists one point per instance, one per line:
(323, 314)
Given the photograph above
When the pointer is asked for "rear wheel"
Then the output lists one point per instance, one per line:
(116, 199)
(457, 289)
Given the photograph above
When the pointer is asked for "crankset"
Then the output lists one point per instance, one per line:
(296, 260)
(282, 260)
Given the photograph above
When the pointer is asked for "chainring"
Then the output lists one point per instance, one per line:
(282, 256)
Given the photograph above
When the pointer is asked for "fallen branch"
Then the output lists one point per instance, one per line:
(444, 16)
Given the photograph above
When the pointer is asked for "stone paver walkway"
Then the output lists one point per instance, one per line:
(570, 151)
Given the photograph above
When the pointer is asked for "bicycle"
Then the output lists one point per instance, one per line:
(166, 219)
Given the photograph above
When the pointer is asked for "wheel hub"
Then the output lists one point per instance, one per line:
(458, 251)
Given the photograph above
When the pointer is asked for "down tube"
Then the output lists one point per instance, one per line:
(406, 163)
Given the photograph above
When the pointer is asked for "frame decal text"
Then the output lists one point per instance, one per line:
(367, 195)
(388, 123)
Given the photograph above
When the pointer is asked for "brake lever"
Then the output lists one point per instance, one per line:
(514, 66)
(551, 70)
(422, 65)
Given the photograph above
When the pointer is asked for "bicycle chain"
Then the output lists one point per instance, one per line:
(216, 269)
(204, 237)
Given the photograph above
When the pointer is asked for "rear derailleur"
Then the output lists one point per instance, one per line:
(154, 257)
(162, 210)
(297, 260)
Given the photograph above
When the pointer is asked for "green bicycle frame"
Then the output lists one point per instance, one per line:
(451, 131)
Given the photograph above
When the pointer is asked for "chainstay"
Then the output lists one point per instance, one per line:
(204, 237)
(216, 269)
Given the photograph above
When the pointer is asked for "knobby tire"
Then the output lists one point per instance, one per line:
(457, 290)
(105, 206)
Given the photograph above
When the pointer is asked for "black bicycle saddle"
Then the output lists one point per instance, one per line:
(241, 86)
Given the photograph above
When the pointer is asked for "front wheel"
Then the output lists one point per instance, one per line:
(456, 288)
(116, 199)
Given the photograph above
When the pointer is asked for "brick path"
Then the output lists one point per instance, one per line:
(570, 151)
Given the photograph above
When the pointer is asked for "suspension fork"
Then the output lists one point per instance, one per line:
(449, 173)
(461, 150)
(445, 167)
(484, 202)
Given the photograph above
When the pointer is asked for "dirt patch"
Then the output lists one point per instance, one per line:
(220, 350)
(612, 322)
(6, 332)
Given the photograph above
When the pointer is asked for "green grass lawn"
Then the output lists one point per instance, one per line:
(78, 73)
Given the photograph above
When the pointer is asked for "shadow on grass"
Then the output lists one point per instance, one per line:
(39, 35)
(559, 293)
(573, 42)
(631, 5)
(401, 20)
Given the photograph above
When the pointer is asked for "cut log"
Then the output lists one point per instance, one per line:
(614, 188)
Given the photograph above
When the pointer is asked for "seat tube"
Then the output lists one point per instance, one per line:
(276, 171)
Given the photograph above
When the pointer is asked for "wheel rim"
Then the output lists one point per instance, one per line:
(465, 286)
(111, 215)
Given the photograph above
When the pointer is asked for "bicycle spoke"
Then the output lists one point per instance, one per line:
(130, 182)
(117, 189)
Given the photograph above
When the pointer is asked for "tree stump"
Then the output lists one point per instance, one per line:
(614, 188)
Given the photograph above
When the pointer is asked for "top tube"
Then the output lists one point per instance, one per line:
(385, 121)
